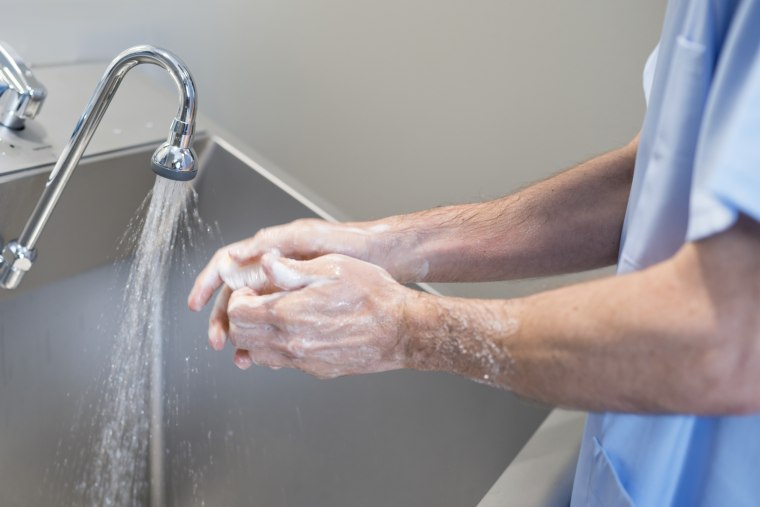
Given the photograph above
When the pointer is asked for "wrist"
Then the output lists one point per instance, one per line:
(395, 244)
(415, 329)
(461, 336)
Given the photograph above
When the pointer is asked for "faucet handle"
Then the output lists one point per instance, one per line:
(21, 95)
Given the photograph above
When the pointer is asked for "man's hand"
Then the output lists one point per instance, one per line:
(238, 265)
(568, 223)
(332, 316)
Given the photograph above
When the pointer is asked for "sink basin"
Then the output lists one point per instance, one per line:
(227, 437)
(258, 437)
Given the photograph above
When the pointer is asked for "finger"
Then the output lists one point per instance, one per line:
(250, 319)
(284, 237)
(205, 284)
(222, 269)
(252, 336)
(219, 324)
(242, 359)
(249, 249)
(237, 276)
(289, 274)
(269, 358)
(246, 307)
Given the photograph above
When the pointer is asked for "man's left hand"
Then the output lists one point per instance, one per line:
(333, 316)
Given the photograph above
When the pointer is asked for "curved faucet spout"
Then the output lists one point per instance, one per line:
(174, 159)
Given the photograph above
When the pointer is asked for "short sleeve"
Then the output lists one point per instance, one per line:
(726, 179)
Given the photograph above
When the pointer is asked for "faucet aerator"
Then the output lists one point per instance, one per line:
(174, 163)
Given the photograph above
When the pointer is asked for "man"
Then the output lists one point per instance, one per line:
(678, 332)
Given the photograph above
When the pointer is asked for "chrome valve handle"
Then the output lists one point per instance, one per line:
(21, 95)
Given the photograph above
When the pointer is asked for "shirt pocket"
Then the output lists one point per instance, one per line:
(605, 487)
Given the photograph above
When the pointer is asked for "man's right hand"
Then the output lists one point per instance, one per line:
(238, 265)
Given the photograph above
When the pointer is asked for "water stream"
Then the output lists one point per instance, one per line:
(130, 417)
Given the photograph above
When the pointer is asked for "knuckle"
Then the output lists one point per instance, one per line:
(216, 319)
(324, 374)
(260, 240)
(257, 357)
(220, 254)
(264, 358)
(235, 312)
(304, 222)
(261, 234)
(296, 348)
(334, 263)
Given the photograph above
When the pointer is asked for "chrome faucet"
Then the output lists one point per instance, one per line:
(174, 159)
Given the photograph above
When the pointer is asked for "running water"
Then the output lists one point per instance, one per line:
(118, 471)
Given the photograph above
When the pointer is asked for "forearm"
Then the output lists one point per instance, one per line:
(568, 223)
(673, 338)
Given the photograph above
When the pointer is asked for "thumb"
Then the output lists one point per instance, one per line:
(289, 274)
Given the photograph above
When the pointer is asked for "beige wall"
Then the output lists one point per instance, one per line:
(388, 106)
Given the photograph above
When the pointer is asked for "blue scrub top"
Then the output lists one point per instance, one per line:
(697, 169)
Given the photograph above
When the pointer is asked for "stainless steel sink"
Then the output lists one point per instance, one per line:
(259, 437)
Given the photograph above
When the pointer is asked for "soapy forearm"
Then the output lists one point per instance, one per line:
(567, 223)
(609, 345)
(681, 336)
(600, 346)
